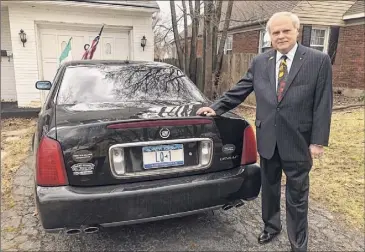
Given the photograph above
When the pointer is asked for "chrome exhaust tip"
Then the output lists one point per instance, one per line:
(239, 203)
(90, 230)
(227, 206)
(73, 231)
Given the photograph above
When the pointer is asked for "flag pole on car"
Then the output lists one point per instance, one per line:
(89, 52)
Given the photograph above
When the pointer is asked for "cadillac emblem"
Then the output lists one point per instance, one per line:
(164, 133)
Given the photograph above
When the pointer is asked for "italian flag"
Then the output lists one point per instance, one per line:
(66, 54)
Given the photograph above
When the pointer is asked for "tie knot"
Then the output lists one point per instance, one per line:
(284, 57)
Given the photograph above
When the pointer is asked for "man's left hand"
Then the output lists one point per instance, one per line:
(316, 150)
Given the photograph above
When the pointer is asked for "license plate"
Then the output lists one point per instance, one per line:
(163, 156)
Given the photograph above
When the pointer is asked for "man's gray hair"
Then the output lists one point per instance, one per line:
(293, 17)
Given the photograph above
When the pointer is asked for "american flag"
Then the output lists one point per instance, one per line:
(89, 53)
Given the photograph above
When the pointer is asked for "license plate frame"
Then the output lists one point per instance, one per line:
(174, 154)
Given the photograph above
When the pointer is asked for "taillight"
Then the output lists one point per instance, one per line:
(249, 149)
(50, 165)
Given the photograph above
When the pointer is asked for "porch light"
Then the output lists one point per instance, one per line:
(143, 42)
(23, 36)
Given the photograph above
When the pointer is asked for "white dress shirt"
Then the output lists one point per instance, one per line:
(289, 61)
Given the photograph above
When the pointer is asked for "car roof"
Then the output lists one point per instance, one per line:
(113, 62)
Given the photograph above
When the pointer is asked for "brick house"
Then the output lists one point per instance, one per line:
(334, 27)
(348, 68)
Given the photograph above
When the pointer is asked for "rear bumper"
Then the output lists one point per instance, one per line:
(73, 207)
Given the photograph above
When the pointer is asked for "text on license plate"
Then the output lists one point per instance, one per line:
(163, 156)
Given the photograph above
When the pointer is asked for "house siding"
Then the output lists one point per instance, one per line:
(348, 69)
(322, 12)
(5, 30)
(8, 91)
(355, 21)
(26, 58)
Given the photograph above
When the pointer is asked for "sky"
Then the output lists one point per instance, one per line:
(164, 6)
(166, 13)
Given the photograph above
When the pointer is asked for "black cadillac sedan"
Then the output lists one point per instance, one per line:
(119, 142)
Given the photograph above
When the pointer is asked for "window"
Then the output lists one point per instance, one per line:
(265, 41)
(126, 84)
(228, 45)
(108, 48)
(319, 39)
(63, 45)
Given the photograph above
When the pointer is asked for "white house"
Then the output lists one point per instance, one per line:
(48, 26)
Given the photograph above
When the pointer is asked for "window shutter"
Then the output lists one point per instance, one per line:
(333, 42)
(306, 36)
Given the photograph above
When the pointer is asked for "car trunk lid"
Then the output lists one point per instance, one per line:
(92, 137)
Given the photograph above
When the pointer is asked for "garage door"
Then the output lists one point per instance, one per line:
(112, 45)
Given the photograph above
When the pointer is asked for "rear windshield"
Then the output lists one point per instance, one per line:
(126, 83)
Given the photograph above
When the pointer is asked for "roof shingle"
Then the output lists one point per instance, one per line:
(357, 8)
(145, 4)
(245, 13)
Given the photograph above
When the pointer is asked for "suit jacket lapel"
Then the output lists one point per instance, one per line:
(271, 67)
(295, 67)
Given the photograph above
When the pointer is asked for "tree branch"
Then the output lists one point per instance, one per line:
(218, 67)
(216, 21)
(194, 34)
(176, 33)
(186, 67)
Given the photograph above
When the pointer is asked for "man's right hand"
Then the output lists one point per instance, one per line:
(207, 111)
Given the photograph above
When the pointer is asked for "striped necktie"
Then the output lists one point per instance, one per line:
(282, 77)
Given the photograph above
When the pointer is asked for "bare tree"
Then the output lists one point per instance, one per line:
(194, 13)
(162, 31)
(213, 47)
(208, 5)
(204, 42)
(216, 22)
(218, 67)
(186, 58)
(176, 35)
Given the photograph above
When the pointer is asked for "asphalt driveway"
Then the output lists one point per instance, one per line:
(232, 230)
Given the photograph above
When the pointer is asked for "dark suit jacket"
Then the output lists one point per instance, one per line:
(301, 118)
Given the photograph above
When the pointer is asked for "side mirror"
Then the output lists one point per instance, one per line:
(43, 85)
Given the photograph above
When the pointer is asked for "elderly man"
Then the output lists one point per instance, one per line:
(293, 88)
